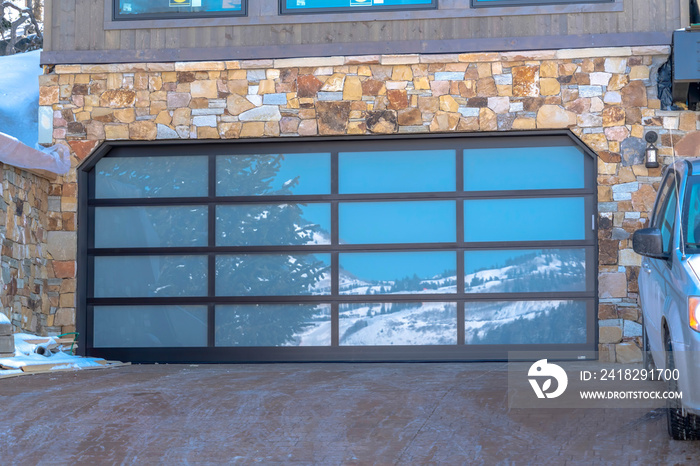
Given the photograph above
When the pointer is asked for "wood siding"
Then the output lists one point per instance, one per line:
(82, 26)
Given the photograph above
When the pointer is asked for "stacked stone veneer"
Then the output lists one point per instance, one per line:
(33, 286)
(607, 97)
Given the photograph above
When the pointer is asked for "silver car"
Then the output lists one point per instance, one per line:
(669, 290)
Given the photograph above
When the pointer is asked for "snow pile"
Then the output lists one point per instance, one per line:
(25, 355)
(19, 96)
(19, 117)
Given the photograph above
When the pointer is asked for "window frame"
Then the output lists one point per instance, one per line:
(121, 18)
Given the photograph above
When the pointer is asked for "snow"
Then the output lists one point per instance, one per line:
(19, 96)
(25, 356)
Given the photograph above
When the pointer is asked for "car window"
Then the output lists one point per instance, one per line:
(692, 222)
(668, 219)
(664, 190)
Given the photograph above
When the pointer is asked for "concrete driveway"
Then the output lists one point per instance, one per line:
(312, 414)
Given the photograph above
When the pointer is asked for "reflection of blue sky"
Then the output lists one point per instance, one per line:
(306, 4)
(396, 171)
(313, 170)
(493, 169)
(496, 259)
(535, 219)
(385, 266)
(397, 222)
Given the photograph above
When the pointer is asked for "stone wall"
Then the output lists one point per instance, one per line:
(30, 279)
(606, 96)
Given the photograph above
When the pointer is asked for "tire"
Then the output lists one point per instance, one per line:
(647, 359)
(680, 426)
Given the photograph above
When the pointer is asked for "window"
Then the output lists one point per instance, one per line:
(329, 6)
(665, 213)
(400, 249)
(488, 3)
(163, 9)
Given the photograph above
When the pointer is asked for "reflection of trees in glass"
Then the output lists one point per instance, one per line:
(264, 274)
(563, 322)
(267, 325)
(127, 177)
(555, 270)
(406, 323)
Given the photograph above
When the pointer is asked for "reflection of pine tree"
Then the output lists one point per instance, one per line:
(564, 322)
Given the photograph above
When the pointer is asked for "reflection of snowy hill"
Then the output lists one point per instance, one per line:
(351, 285)
(398, 324)
(541, 271)
(525, 322)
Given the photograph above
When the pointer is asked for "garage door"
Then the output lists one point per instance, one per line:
(453, 248)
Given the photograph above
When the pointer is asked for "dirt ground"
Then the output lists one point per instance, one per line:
(312, 414)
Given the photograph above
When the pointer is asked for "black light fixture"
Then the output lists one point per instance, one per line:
(652, 153)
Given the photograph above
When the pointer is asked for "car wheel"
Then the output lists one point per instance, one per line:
(646, 350)
(680, 426)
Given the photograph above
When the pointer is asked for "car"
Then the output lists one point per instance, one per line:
(669, 293)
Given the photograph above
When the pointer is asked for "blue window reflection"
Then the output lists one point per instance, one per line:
(273, 325)
(150, 326)
(514, 168)
(397, 222)
(147, 177)
(537, 219)
(273, 174)
(183, 8)
(525, 322)
(368, 4)
(396, 171)
(273, 274)
(150, 227)
(150, 276)
(398, 272)
(525, 270)
(273, 224)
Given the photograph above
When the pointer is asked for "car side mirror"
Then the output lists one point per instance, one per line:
(647, 242)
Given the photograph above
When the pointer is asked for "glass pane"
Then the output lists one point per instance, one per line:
(692, 225)
(150, 326)
(273, 275)
(184, 8)
(398, 272)
(273, 325)
(145, 177)
(382, 324)
(273, 224)
(507, 169)
(396, 171)
(150, 276)
(525, 270)
(148, 227)
(367, 4)
(536, 219)
(273, 174)
(525, 322)
(397, 222)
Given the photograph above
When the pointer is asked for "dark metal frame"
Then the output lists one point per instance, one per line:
(116, 16)
(433, 5)
(459, 352)
(516, 3)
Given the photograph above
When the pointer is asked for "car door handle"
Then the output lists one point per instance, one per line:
(646, 268)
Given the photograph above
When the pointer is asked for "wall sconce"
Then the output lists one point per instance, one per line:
(652, 153)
